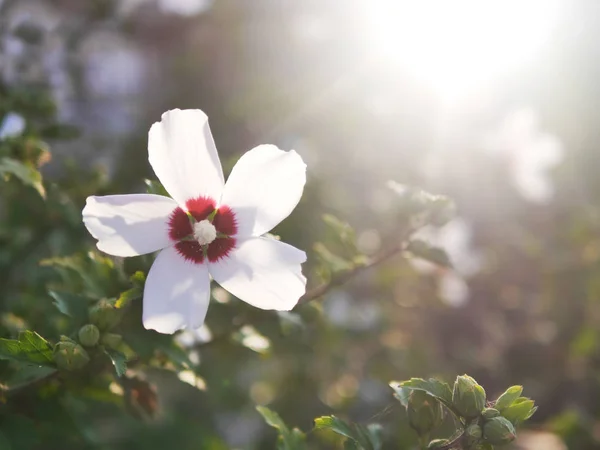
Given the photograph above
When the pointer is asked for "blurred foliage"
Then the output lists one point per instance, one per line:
(532, 315)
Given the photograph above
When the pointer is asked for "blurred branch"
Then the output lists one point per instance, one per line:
(321, 290)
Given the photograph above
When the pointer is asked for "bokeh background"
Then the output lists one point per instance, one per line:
(494, 104)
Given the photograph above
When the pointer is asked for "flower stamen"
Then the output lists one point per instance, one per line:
(204, 232)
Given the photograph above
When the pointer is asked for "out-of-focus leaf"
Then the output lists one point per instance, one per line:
(128, 296)
(20, 432)
(28, 175)
(118, 359)
(334, 262)
(154, 187)
(360, 437)
(29, 348)
(288, 440)
(342, 231)
(422, 249)
(29, 374)
(72, 305)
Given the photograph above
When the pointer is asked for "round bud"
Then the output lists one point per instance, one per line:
(104, 314)
(89, 335)
(111, 340)
(69, 355)
(473, 434)
(424, 412)
(490, 413)
(499, 431)
(468, 397)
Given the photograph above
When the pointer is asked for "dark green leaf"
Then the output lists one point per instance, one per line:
(29, 348)
(118, 359)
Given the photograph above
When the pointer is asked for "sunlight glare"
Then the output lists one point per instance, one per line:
(454, 46)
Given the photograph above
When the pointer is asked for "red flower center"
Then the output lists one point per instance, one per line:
(181, 230)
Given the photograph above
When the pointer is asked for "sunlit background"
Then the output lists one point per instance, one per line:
(494, 103)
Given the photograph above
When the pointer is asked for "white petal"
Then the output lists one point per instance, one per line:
(263, 272)
(13, 125)
(264, 188)
(183, 155)
(129, 225)
(176, 294)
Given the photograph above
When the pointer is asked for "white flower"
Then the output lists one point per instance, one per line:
(13, 125)
(208, 228)
(531, 152)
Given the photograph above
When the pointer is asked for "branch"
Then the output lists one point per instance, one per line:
(320, 291)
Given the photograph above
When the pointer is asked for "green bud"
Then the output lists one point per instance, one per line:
(69, 355)
(424, 412)
(499, 431)
(438, 443)
(508, 398)
(490, 413)
(468, 397)
(473, 434)
(111, 340)
(89, 335)
(105, 315)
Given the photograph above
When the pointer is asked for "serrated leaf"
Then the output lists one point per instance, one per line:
(433, 387)
(72, 305)
(509, 396)
(521, 410)
(118, 359)
(30, 348)
(294, 440)
(28, 175)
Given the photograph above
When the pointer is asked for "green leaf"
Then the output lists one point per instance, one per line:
(433, 387)
(509, 396)
(288, 440)
(342, 231)
(521, 410)
(424, 250)
(334, 262)
(29, 348)
(118, 359)
(28, 175)
(360, 437)
(20, 432)
(72, 305)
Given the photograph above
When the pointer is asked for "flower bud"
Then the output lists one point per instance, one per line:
(424, 412)
(490, 413)
(468, 397)
(105, 315)
(69, 355)
(473, 434)
(89, 335)
(111, 340)
(438, 443)
(499, 431)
